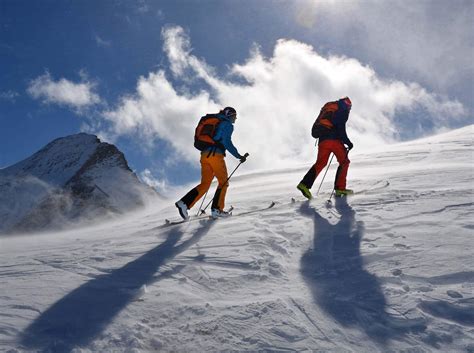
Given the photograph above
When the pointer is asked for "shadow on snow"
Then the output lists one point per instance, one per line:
(334, 271)
(80, 316)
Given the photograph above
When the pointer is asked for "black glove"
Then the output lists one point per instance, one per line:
(243, 158)
(350, 146)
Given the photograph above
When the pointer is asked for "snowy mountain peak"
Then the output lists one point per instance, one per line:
(71, 178)
(58, 161)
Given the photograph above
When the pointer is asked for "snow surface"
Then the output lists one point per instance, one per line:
(389, 270)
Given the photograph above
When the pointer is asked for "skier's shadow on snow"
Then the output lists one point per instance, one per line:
(334, 270)
(79, 317)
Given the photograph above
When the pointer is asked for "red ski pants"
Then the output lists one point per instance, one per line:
(325, 149)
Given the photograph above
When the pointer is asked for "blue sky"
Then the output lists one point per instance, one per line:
(140, 73)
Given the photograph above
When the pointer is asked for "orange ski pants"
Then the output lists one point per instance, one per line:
(212, 165)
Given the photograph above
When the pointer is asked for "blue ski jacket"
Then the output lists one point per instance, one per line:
(339, 121)
(224, 137)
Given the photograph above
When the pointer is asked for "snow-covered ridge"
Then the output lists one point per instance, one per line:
(58, 161)
(71, 179)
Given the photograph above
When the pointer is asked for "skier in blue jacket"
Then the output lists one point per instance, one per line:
(213, 165)
(224, 135)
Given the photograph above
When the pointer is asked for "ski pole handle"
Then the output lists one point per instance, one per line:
(244, 158)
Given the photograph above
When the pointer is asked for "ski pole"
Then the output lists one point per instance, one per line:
(330, 197)
(203, 199)
(332, 156)
(245, 155)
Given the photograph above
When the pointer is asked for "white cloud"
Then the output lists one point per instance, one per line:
(157, 110)
(142, 6)
(9, 95)
(431, 40)
(102, 42)
(178, 49)
(277, 105)
(63, 92)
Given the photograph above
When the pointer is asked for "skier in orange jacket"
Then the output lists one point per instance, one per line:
(333, 141)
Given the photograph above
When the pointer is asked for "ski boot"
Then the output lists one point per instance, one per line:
(343, 192)
(216, 213)
(183, 209)
(305, 191)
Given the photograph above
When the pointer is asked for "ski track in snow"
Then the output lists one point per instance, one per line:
(384, 271)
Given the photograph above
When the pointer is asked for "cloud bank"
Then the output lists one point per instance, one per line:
(277, 99)
(431, 40)
(63, 92)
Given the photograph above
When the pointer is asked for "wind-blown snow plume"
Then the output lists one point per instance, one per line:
(148, 178)
(276, 104)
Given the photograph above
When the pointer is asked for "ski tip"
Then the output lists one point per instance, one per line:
(272, 204)
(167, 221)
(293, 200)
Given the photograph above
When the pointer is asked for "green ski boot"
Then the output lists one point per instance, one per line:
(305, 191)
(343, 192)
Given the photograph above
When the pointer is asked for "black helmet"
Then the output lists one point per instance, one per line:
(230, 113)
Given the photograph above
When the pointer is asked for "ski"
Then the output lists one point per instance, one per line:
(272, 204)
(202, 216)
(170, 223)
(376, 186)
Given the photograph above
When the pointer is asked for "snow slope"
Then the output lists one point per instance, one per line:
(384, 271)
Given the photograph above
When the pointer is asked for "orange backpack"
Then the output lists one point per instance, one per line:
(323, 124)
(205, 131)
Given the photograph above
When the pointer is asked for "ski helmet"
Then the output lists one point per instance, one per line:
(230, 113)
(347, 102)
